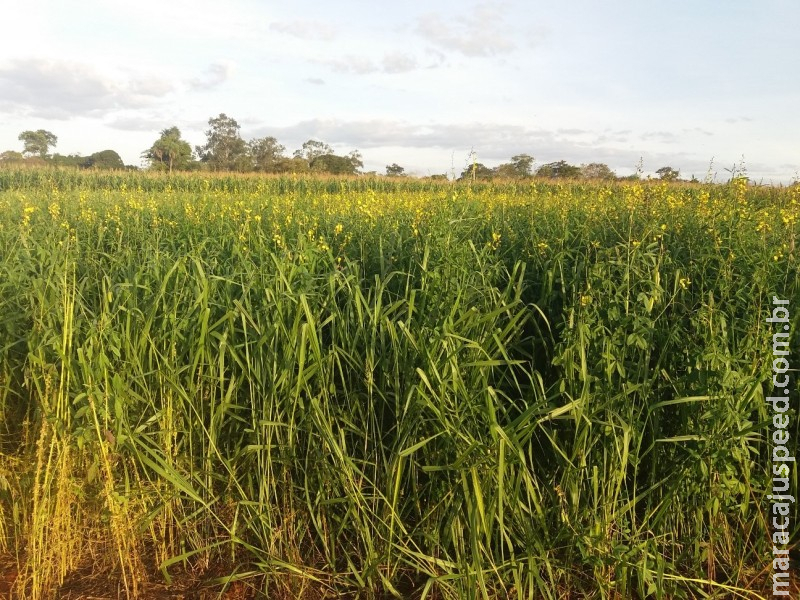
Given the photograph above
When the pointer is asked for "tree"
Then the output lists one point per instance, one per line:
(668, 174)
(225, 150)
(169, 151)
(558, 170)
(519, 167)
(36, 143)
(395, 170)
(291, 165)
(266, 154)
(11, 156)
(311, 150)
(476, 171)
(72, 160)
(523, 164)
(631, 177)
(106, 159)
(336, 165)
(355, 160)
(320, 157)
(597, 171)
(505, 171)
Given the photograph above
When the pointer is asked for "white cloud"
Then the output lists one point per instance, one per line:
(665, 137)
(391, 63)
(433, 83)
(399, 62)
(215, 75)
(56, 89)
(151, 86)
(138, 122)
(305, 30)
(484, 31)
(733, 120)
(358, 65)
(496, 141)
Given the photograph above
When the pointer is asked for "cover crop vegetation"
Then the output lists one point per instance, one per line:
(378, 387)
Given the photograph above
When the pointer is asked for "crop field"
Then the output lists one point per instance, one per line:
(317, 388)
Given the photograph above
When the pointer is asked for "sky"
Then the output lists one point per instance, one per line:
(705, 87)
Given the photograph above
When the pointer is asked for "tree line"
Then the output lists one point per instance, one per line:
(36, 145)
(226, 150)
(521, 167)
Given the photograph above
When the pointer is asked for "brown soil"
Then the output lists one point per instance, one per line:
(87, 584)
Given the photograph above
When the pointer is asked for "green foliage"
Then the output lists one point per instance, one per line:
(320, 158)
(520, 167)
(476, 172)
(313, 149)
(373, 387)
(38, 142)
(224, 150)
(10, 156)
(558, 170)
(291, 165)
(598, 171)
(105, 159)
(668, 174)
(71, 160)
(333, 164)
(266, 154)
(170, 152)
(395, 170)
(356, 161)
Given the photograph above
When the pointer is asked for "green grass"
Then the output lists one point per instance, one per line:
(365, 387)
